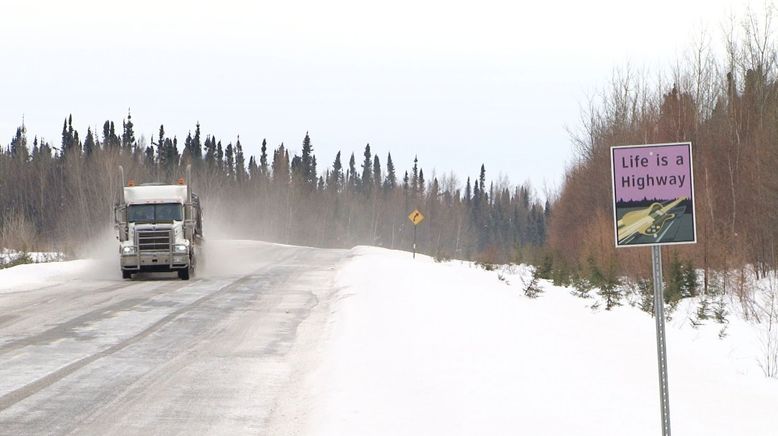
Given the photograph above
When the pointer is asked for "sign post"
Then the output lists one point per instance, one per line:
(416, 217)
(653, 205)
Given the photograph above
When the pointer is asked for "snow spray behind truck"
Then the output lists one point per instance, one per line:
(159, 226)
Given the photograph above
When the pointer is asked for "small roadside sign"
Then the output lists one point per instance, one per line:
(416, 217)
(653, 194)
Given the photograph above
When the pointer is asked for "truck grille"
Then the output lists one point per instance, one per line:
(154, 240)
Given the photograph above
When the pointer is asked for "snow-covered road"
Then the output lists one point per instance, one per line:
(83, 352)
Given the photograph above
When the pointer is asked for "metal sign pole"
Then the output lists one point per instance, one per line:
(414, 241)
(661, 349)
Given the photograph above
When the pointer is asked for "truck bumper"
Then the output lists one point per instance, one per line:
(155, 261)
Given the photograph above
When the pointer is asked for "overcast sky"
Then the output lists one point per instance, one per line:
(458, 83)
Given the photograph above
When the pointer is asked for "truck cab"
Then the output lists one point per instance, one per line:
(159, 229)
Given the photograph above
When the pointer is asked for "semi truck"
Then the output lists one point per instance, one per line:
(159, 227)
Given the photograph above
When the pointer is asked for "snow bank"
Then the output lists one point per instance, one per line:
(8, 256)
(32, 276)
(421, 348)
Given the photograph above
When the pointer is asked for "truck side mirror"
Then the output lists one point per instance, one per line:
(119, 214)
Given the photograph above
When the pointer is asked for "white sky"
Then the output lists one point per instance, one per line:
(458, 83)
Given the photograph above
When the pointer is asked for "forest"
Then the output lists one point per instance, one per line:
(55, 197)
(722, 95)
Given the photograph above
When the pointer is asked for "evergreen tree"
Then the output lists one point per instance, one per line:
(161, 152)
(280, 166)
(220, 157)
(106, 134)
(128, 135)
(197, 151)
(229, 161)
(308, 169)
(210, 151)
(148, 157)
(19, 150)
(367, 171)
(188, 153)
(377, 179)
(422, 185)
(336, 177)
(482, 180)
(89, 143)
(240, 162)
(352, 180)
(415, 177)
(263, 166)
(253, 169)
(313, 170)
(170, 151)
(391, 177)
(68, 141)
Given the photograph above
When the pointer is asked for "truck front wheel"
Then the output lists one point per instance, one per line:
(126, 274)
(183, 274)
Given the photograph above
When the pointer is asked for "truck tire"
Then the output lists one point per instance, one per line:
(126, 274)
(183, 274)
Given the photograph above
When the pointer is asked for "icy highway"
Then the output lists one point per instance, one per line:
(223, 353)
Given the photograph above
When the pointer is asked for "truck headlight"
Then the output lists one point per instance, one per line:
(128, 250)
(180, 248)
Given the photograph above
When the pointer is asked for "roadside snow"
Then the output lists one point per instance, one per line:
(8, 256)
(42, 275)
(420, 348)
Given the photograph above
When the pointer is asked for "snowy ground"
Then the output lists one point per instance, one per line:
(421, 348)
(362, 342)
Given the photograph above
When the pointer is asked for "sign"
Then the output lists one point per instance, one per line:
(653, 194)
(416, 217)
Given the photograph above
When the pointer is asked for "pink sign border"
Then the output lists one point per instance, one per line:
(615, 199)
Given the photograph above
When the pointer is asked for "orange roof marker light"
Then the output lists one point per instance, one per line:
(131, 182)
(181, 181)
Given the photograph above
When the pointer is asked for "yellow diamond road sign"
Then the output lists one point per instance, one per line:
(416, 217)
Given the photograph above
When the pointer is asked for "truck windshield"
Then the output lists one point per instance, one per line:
(155, 213)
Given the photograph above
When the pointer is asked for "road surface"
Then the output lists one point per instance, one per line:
(224, 353)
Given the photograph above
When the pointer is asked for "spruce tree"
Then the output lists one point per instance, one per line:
(415, 176)
(89, 143)
(263, 165)
(161, 152)
(128, 135)
(115, 143)
(377, 179)
(391, 176)
(253, 169)
(336, 177)
(229, 161)
(308, 171)
(482, 180)
(240, 162)
(173, 156)
(220, 157)
(197, 151)
(188, 152)
(148, 157)
(19, 150)
(353, 179)
(422, 185)
(210, 151)
(367, 171)
(106, 134)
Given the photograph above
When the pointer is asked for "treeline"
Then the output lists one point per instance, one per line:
(61, 195)
(726, 104)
